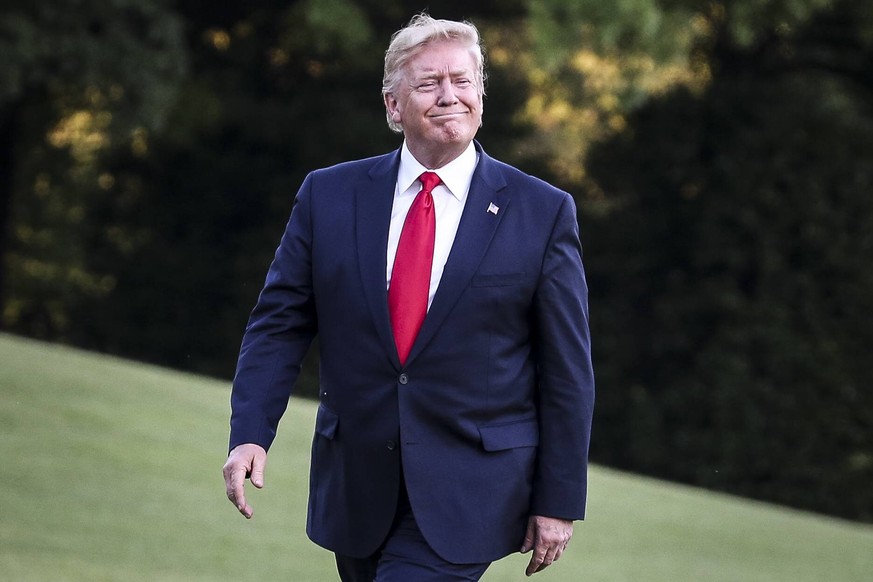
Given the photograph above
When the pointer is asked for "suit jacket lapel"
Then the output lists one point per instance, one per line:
(475, 231)
(373, 209)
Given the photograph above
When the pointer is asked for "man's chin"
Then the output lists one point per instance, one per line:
(454, 132)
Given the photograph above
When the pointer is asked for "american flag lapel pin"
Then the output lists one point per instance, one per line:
(492, 208)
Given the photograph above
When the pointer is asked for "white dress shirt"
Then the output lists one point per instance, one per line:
(448, 203)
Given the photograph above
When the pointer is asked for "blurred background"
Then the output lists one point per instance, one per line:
(720, 152)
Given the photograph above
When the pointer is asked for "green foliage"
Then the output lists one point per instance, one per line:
(334, 26)
(734, 288)
(591, 63)
(560, 26)
(124, 48)
(114, 474)
(77, 79)
(751, 21)
(212, 197)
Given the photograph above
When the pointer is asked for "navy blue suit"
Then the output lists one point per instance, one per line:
(491, 413)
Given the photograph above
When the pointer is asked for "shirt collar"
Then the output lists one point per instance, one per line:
(456, 175)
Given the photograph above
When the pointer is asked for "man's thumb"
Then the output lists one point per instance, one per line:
(258, 471)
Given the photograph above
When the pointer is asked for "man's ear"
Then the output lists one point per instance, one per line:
(391, 107)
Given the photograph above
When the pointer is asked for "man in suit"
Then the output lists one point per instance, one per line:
(448, 294)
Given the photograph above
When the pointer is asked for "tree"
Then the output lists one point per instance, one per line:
(731, 276)
(77, 77)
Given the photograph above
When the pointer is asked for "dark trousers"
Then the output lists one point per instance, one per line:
(406, 557)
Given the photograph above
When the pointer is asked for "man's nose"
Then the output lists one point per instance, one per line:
(447, 93)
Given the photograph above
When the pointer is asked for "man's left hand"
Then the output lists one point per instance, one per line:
(547, 537)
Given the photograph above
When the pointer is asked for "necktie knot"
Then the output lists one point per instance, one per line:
(429, 181)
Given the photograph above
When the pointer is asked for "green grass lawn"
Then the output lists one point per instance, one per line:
(112, 471)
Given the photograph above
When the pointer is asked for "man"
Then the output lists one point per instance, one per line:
(448, 293)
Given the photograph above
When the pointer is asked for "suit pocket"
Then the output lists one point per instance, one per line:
(510, 435)
(326, 422)
(498, 280)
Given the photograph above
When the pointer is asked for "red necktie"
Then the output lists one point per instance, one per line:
(410, 277)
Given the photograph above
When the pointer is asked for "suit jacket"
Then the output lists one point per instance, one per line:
(491, 414)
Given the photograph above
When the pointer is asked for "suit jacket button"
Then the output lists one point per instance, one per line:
(390, 445)
(403, 378)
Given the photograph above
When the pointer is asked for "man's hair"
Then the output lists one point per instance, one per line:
(421, 31)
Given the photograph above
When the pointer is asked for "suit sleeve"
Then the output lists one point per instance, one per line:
(565, 374)
(279, 332)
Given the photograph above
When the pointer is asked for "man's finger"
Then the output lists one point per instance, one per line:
(544, 556)
(258, 465)
(537, 560)
(552, 555)
(529, 537)
(237, 494)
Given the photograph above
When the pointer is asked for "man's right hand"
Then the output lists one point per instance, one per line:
(244, 460)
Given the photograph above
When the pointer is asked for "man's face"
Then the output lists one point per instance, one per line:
(438, 102)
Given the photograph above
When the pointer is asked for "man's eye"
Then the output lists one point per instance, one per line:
(462, 82)
(427, 85)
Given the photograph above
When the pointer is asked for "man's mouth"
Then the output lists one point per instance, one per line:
(452, 114)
